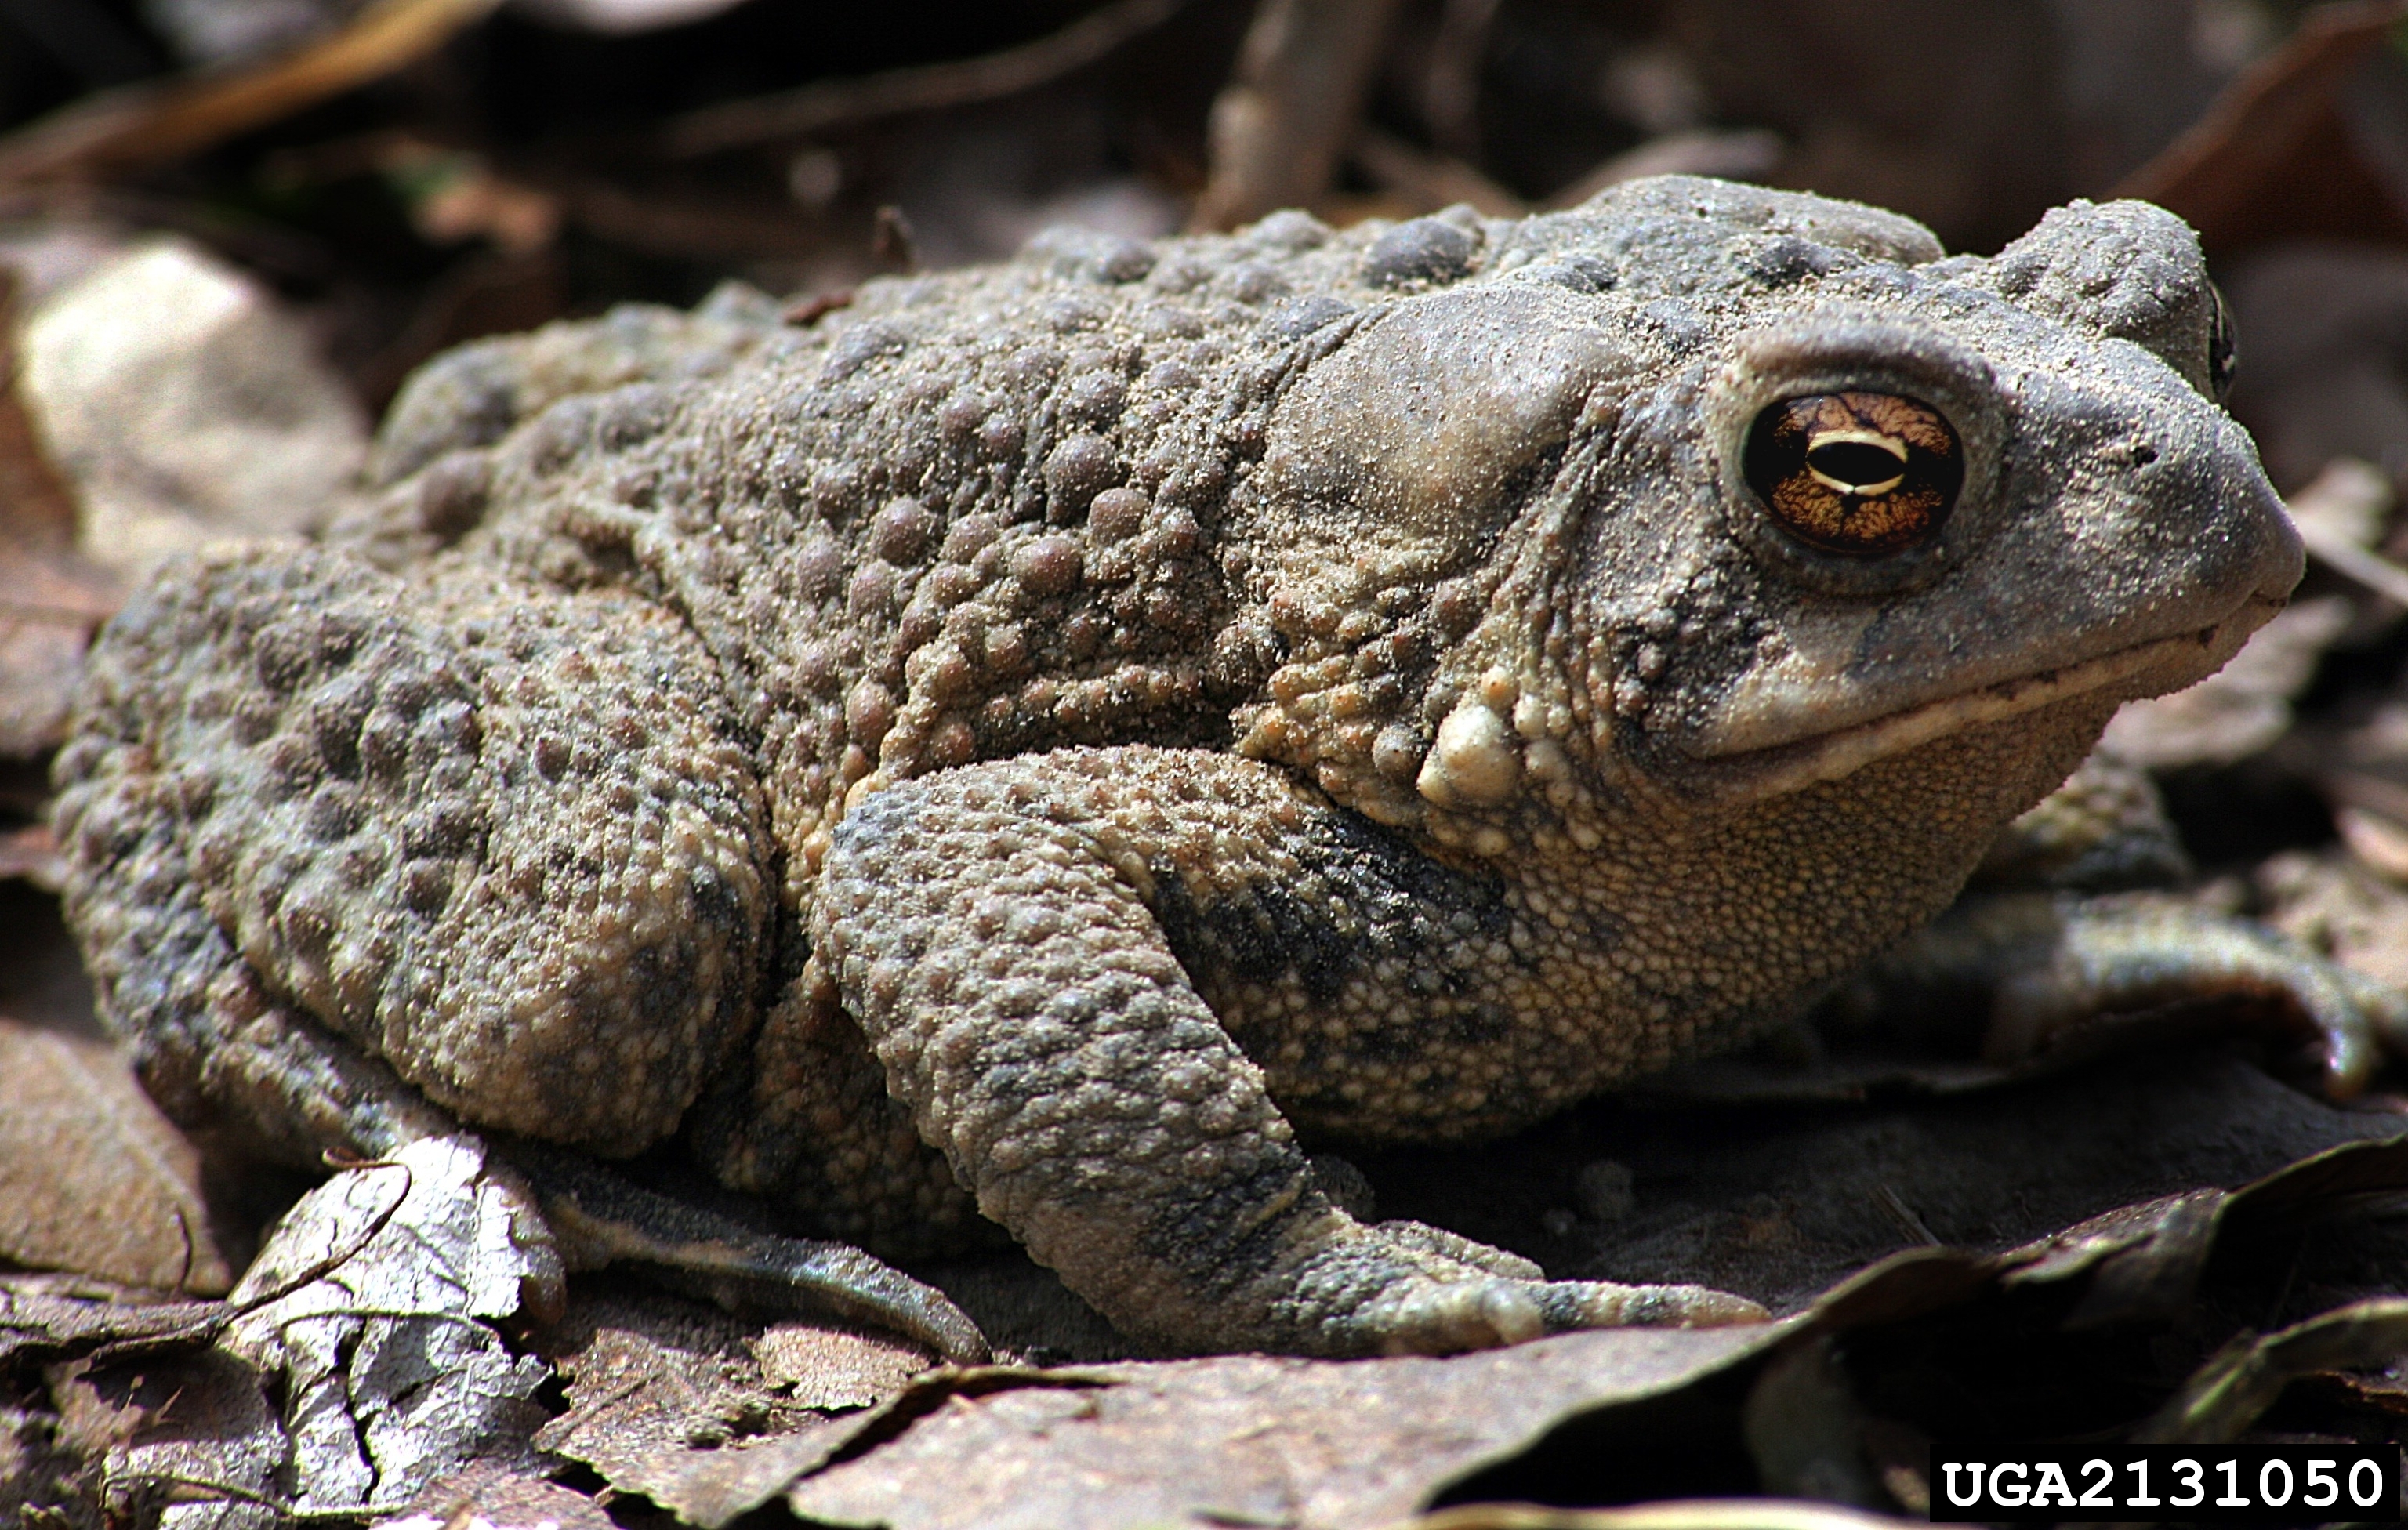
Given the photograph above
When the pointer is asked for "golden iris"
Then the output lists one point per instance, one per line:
(1862, 474)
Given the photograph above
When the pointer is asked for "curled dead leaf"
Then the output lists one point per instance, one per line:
(372, 1303)
(2242, 1379)
(92, 1179)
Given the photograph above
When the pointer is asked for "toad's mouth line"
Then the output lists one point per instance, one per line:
(1773, 769)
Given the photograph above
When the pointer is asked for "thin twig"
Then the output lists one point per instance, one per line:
(1895, 1206)
(829, 103)
(2345, 557)
(1290, 112)
(1451, 90)
(224, 1313)
(157, 122)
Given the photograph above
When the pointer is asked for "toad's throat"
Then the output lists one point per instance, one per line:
(2146, 668)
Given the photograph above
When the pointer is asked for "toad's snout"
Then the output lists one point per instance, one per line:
(2128, 542)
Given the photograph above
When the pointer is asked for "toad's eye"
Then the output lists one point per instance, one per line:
(2223, 353)
(1863, 474)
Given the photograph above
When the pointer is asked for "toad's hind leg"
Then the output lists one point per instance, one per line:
(279, 762)
(214, 1048)
(494, 834)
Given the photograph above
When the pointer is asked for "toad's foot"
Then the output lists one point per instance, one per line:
(2035, 974)
(1440, 1294)
(600, 1217)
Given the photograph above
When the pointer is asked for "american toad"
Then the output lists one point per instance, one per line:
(1049, 742)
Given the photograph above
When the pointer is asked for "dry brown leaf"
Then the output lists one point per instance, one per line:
(834, 1369)
(191, 1428)
(92, 1179)
(2241, 1381)
(2275, 154)
(371, 1307)
(51, 1486)
(49, 600)
(689, 1407)
(489, 1497)
(2140, 1263)
(2378, 838)
(49, 1317)
(2243, 707)
(1246, 1439)
(2341, 904)
(1778, 1202)
(2342, 514)
(41, 660)
(2144, 1262)
(38, 508)
(186, 403)
(708, 1488)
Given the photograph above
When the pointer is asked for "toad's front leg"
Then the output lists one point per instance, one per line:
(997, 931)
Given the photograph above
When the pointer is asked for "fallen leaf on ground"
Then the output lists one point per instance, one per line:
(1779, 1200)
(185, 404)
(372, 1301)
(191, 1428)
(2144, 1262)
(41, 659)
(47, 1481)
(1246, 1439)
(489, 1497)
(699, 1412)
(2333, 901)
(834, 1368)
(2279, 151)
(51, 600)
(92, 1179)
(2245, 1378)
(50, 1317)
(2243, 707)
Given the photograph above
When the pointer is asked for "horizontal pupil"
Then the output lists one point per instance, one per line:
(1855, 463)
(1858, 473)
